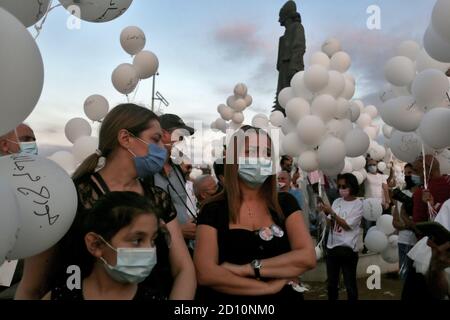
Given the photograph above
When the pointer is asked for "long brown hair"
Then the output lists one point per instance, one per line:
(232, 192)
(129, 116)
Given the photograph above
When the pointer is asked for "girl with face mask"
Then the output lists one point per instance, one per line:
(118, 250)
(130, 152)
(344, 219)
(252, 243)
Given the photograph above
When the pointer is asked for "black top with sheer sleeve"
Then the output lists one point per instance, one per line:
(241, 246)
(71, 249)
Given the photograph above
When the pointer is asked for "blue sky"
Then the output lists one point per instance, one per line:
(205, 47)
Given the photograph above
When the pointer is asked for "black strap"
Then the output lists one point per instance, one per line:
(102, 182)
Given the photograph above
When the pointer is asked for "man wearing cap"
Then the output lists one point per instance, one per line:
(172, 178)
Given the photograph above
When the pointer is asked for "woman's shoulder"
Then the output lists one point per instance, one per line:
(160, 200)
(214, 213)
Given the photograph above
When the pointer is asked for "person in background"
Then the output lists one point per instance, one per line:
(252, 243)
(186, 167)
(438, 189)
(284, 185)
(286, 163)
(21, 139)
(131, 147)
(117, 250)
(205, 187)
(402, 218)
(219, 171)
(172, 179)
(344, 219)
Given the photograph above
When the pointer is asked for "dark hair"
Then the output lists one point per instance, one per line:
(285, 158)
(408, 165)
(219, 167)
(109, 215)
(351, 181)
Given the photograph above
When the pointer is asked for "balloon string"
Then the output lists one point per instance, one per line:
(38, 26)
(425, 180)
(136, 90)
(320, 184)
(128, 98)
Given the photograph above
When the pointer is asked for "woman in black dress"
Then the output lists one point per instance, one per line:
(252, 243)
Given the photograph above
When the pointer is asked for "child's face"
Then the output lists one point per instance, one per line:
(141, 233)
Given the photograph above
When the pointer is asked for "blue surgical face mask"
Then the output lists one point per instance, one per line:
(372, 169)
(416, 179)
(27, 147)
(152, 163)
(133, 265)
(255, 171)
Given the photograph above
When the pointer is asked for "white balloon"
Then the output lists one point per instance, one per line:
(335, 170)
(371, 131)
(226, 113)
(132, 40)
(430, 86)
(96, 107)
(146, 64)
(381, 166)
(409, 49)
(248, 100)
(292, 145)
(343, 109)
(350, 78)
(76, 128)
(436, 46)
(336, 84)
(9, 219)
(356, 143)
(406, 146)
(84, 147)
(231, 100)
(372, 111)
(440, 19)
(320, 58)
(308, 161)
(358, 163)
(346, 127)
(349, 90)
(393, 240)
(299, 88)
(285, 95)
(221, 108)
(424, 62)
(400, 71)
(335, 128)
(240, 90)
(377, 153)
(65, 160)
(384, 224)
(331, 153)
(402, 113)
(324, 106)
(376, 241)
(125, 78)
(444, 161)
(297, 108)
(390, 254)
(260, 121)
(435, 128)
(316, 78)
(340, 61)
(239, 105)
(358, 177)
(287, 126)
(98, 10)
(364, 120)
(348, 168)
(387, 131)
(238, 117)
(26, 11)
(331, 46)
(47, 201)
(355, 112)
(311, 129)
(276, 118)
(21, 72)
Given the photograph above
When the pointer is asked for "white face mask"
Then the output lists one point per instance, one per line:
(133, 265)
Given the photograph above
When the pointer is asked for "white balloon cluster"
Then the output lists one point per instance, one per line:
(437, 37)
(126, 76)
(416, 108)
(323, 126)
(232, 113)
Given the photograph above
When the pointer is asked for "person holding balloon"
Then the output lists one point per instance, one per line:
(344, 218)
(118, 251)
(252, 243)
(130, 152)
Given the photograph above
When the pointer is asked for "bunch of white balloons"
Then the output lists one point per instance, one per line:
(126, 76)
(437, 37)
(416, 108)
(232, 113)
(323, 126)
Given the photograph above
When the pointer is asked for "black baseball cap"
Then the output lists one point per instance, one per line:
(172, 122)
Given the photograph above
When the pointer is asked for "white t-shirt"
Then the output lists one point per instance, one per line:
(351, 212)
(373, 186)
(406, 236)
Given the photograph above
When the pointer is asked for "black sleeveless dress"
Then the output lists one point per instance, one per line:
(240, 246)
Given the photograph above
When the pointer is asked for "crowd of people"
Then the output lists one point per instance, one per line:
(144, 230)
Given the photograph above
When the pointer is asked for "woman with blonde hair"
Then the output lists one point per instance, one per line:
(131, 148)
